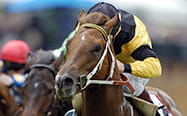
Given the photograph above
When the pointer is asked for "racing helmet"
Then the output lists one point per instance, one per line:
(105, 8)
(109, 10)
(15, 51)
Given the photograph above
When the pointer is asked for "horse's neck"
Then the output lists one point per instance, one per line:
(103, 100)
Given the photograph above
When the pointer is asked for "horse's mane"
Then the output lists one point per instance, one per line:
(95, 18)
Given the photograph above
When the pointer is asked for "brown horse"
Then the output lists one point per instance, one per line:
(8, 106)
(166, 99)
(90, 62)
(39, 92)
(90, 59)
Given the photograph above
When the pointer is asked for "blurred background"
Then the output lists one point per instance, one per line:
(45, 24)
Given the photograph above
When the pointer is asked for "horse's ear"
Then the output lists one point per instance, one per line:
(56, 64)
(108, 26)
(82, 16)
(30, 59)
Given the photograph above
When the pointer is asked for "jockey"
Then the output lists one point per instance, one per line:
(133, 49)
(13, 57)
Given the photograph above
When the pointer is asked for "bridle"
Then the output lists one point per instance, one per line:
(50, 68)
(86, 79)
(98, 66)
(44, 66)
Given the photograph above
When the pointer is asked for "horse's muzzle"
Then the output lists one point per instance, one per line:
(65, 85)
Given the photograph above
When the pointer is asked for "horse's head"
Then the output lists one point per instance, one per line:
(87, 52)
(39, 88)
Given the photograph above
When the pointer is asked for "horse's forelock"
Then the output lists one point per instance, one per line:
(95, 18)
(44, 57)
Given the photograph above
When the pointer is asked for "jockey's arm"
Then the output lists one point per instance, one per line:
(148, 68)
(142, 61)
(146, 64)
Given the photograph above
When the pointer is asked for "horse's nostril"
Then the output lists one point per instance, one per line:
(68, 81)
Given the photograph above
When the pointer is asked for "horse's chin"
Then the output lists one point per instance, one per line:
(65, 93)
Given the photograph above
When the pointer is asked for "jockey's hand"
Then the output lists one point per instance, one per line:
(121, 66)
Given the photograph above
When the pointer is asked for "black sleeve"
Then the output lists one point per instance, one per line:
(127, 68)
(143, 52)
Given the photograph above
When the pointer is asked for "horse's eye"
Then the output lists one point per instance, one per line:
(97, 49)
